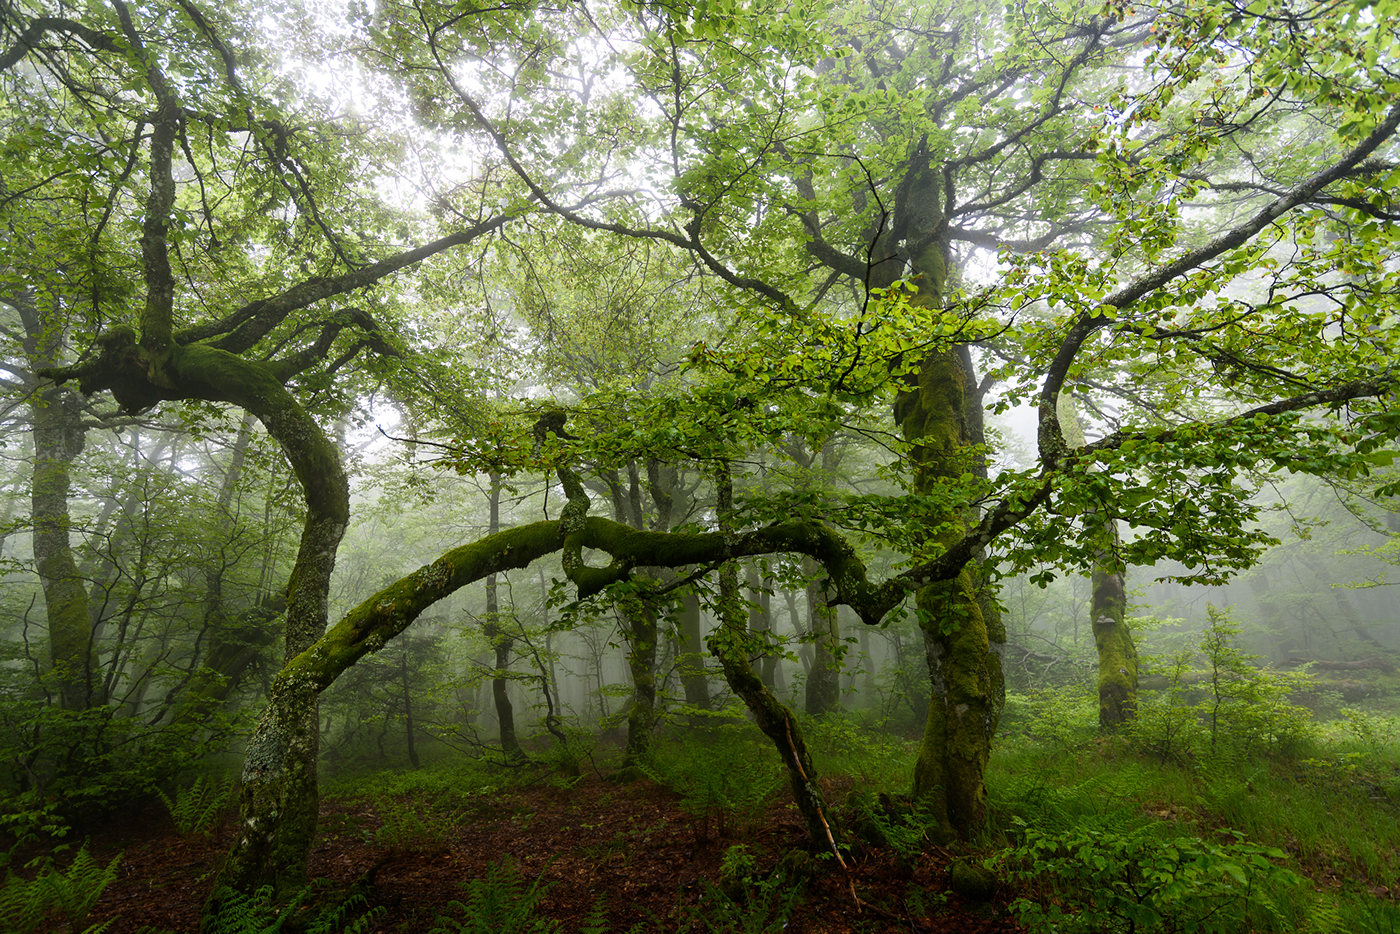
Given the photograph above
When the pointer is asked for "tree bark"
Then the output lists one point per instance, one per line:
(965, 672)
(501, 643)
(279, 797)
(690, 661)
(732, 645)
(824, 680)
(1108, 605)
(640, 621)
(761, 625)
(59, 439)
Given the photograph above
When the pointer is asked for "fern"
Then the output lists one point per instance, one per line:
(500, 903)
(25, 905)
(260, 914)
(197, 808)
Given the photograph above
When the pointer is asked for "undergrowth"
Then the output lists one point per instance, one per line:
(304, 914)
(68, 894)
(197, 809)
(725, 777)
(1101, 815)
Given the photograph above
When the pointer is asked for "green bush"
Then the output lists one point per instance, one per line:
(1225, 708)
(69, 765)
(1101, 883)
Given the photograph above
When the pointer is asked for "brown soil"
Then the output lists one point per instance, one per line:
(630, 845)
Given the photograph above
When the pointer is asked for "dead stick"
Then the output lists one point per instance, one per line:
(830, 839)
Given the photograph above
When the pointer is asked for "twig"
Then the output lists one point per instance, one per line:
(831, 840)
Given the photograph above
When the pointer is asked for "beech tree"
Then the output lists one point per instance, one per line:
(839, 168)
(833, 171)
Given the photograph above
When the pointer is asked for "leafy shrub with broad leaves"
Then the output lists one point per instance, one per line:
(84, 764)
(1227, 707)
(1102, 883)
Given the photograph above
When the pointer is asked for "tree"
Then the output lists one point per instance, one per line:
(958, 126)
(764, 149)
(247, 156)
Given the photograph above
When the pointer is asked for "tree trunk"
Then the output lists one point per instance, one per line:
(824, 680)
(761, 625)
(59, 438)
(730, 643)
(502, 642)
(407, 708)
(1118, 661)
(1108, 605)
(689, 660)
(965, 672)
(640, 621)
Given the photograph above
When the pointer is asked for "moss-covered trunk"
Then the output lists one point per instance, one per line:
(58, 440)
(640, 625)
(1108, 603)
(823, 693)
(1118, 662)
(733, 645)
(964, 671)
(967, 686)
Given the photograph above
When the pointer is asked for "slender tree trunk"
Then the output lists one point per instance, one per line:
(824, 679)
(689, 660)
(1108, 606)
(235, 642)
(407, 708)
(761, 624)
(640, 621)
(730, 643)
(502, 642)
(59, 438)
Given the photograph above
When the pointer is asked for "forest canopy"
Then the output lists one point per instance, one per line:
(713, 301)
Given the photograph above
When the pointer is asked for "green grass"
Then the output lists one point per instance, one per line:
(1332, 808)
(444, 781)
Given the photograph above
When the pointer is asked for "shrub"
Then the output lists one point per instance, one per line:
(1101, 882)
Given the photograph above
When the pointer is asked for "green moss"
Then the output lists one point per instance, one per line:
(970, 879)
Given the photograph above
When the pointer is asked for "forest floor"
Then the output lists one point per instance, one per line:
(631, 846)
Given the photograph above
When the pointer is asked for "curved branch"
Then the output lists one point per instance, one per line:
(251, 323)
(28, 40)
(1051, 440)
